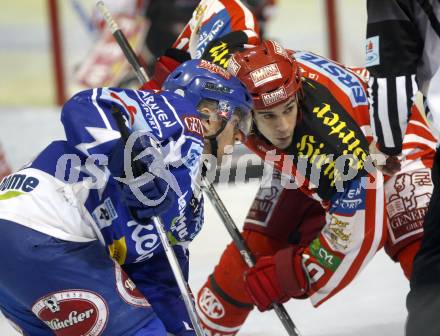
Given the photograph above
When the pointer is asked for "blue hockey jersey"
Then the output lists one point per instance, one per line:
(68, 192)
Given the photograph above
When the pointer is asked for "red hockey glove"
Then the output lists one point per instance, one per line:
(165, 65)
(275, 279)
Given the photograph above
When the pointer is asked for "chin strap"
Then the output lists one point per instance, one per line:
(214, 146)
(213, 138)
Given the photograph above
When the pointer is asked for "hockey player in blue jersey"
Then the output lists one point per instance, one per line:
(80, 255)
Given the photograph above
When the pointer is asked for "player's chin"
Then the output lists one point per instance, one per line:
(282, 143)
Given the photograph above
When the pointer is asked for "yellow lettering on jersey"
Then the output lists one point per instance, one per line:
(347, 136)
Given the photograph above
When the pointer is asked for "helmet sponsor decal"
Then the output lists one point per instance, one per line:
(218, 88)
(274, 97)
(233, 66)
(265, 74)
(279, 49)
(73, 312)
(211, 305)
(127, 289)
(215, 69)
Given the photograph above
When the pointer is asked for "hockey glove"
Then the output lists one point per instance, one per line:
(389, 165)
(275, 279)
(150, 199)
(145, 195)
(165, 65)
(220, 50)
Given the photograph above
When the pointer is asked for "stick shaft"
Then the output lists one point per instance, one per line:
(246, 254)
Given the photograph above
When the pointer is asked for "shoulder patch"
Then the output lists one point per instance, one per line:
(372, 51)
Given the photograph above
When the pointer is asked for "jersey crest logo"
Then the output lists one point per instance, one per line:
(69, 312)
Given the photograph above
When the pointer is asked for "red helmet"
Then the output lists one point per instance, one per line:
(270, 74)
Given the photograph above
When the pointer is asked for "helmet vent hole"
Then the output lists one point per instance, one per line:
(177, 75)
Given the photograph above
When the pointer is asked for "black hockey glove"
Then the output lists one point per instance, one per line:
(220, 50)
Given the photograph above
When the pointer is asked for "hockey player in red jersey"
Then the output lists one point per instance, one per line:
(311, 122)
(212, 19)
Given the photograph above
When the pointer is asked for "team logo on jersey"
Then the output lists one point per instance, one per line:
(372, 51)
(274, 97)
(407, 205)
(211, 305)
(73, 312)
(17, 184)
(127, 289)
(194, 125)
(265, 74)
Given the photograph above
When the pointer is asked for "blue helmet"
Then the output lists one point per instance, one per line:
(199, 79)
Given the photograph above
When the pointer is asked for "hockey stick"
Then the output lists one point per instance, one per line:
(209, 189)
(248, 258)
(142, 76)
(123, 43)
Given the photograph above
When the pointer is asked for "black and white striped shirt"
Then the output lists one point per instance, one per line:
(402, 55)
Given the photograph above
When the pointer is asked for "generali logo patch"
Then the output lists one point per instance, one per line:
(73, 312)
(274, 97)
(265, 74)
(194, 125)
